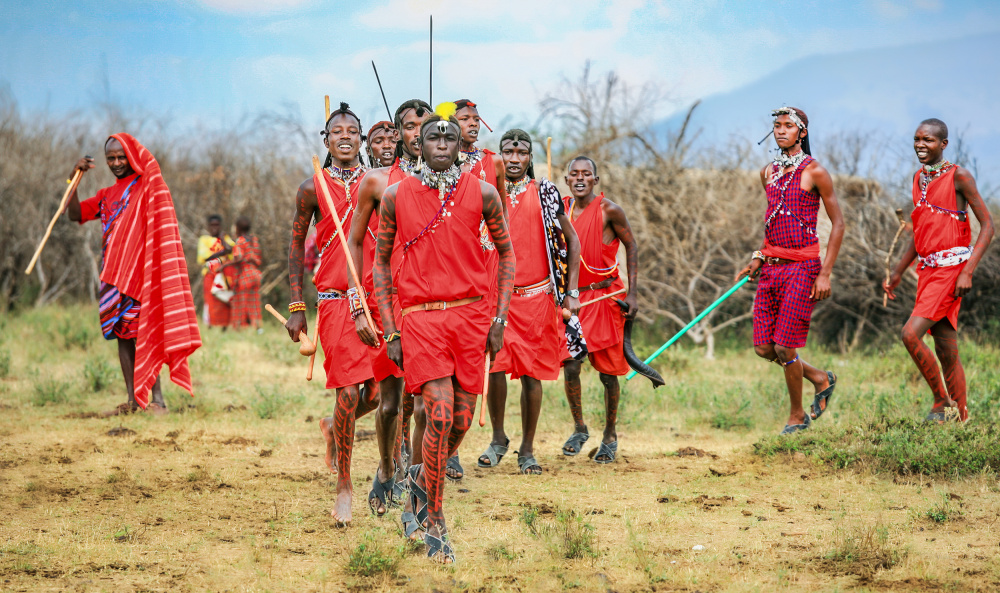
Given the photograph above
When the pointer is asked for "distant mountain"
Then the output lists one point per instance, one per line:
(888, 91)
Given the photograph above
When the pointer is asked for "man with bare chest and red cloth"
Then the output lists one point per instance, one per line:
(145, 298)
(346, 359)
(442, 284)
(388, 485)
(601, 226)
(533, 342)
(941, 243)
(791, 277)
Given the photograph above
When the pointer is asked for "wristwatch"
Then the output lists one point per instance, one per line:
(573, 293)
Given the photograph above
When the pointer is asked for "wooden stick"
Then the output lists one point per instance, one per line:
(306, 346)
(312, 357)
(326, 101)
(566, 312)
(888, 256)
(325, 191)
(486, 387)
(548, 155)
(62, 205)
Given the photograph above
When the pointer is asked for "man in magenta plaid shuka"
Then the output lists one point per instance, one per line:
(791, 276)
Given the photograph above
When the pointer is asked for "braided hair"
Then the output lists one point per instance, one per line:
(518, 135)
(418, 105)
(344, 109)
(805, 121)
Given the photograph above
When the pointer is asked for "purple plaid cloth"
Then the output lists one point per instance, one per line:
(782, 307)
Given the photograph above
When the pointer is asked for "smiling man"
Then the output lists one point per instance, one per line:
(488, 166)
(442, 283)
(382, 138)
(792, 278)
(346, 360)
(533, 342)
(601, 226)
(387, 485)
(942, 196)
(144, 282)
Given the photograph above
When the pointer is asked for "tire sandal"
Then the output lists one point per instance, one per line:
(414, 521)
(381, 492)
(455, 467)
(399, 487)
(493, 453)
(526, 463)
(439, 548)
(822, 400)
(608, 450)
(575, 442)
(793, 428)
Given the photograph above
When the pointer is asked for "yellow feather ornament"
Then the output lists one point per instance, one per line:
(446, 110)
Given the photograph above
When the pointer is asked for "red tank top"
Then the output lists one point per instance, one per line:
(332, 273)
(442, 262)
(598, 261)
(527, 235)
(937, 223)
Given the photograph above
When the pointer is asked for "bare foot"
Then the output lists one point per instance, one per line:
(120, 410)
(341, 512)
(326, 427)
(156, 409)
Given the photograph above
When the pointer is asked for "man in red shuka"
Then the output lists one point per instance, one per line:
(533, 343)
(942, 194)
(443, 283)
(388, 485)
(792, 278)
(489, 167)
(601, 226)
(145, 298)
(382, 138)
(346, 359)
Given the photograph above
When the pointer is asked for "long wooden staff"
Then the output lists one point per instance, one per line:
(312, 357)
(62, 205)
(888, 256)
(486, 387)
(566, 313)
(548, 155)
(326, 101)
(325, 191)
(306, 346)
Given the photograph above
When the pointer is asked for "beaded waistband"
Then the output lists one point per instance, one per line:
(545, 286)
(332, 295)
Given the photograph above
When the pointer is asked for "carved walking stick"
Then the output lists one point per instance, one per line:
(548, 155)
(326, 101)
(306, 346)
(566, 313)
(62, 205)
(888, 255)
(486, 387)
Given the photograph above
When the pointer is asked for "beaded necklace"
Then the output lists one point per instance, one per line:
(347, 177)
(516, 188)
(471, 157)
(776, 176)
(784, 161)
(446, 183)
(929, 173)
(408, 165)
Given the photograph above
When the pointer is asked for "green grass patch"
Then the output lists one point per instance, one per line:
(99, 374)
(271, 403)
(900, 446)
(5, 363)
(51, 391)
(373, 557)
(865, 549)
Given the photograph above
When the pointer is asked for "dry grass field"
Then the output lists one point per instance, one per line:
(229, 492)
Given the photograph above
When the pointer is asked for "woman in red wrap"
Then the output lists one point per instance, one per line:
(346, 360)
(442, 284)
(601, 226)
(246, 288)
(792, 278)
(145, 297)
(533, 343)
(942, 237)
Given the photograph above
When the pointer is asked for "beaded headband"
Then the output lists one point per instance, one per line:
(792, 115)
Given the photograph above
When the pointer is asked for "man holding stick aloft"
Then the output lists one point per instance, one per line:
(346, 359)
(601, 226)
(144, 282)
(792, 278)
(942, 194)
(533, 342)
(442, 283)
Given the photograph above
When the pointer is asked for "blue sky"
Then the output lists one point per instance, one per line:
(216, 60)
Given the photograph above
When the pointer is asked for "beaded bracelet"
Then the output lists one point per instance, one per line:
(392, 337)
(296, 306)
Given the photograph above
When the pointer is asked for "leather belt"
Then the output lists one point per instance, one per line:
(440, 305)
(777, 261)
(545, 286)
(599, 285)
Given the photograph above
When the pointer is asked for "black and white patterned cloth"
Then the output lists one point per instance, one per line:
(555, 244)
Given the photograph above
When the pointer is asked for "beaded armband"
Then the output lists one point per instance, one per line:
(500, 320)
(354, 303)
(296, 307)
(757, 255)
(392, 337)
